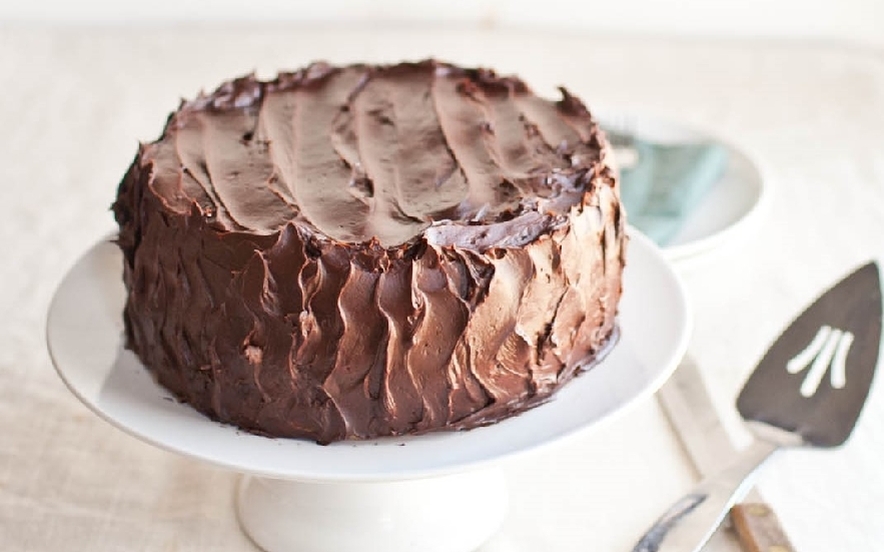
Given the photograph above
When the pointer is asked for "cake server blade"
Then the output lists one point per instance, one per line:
(787, 401)
(839, 335)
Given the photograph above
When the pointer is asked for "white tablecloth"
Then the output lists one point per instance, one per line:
(75, 103)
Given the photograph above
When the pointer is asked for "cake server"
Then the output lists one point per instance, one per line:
(685, 400)
(788, 401)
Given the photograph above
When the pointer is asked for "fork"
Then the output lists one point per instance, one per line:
(620, 132)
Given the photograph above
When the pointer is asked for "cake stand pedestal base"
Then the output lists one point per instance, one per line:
(449, 513)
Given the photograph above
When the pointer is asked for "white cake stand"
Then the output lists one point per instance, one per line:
(441, 492)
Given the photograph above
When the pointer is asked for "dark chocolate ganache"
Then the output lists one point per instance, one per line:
(360, 251)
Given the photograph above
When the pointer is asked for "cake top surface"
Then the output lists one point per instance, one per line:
(366, 153)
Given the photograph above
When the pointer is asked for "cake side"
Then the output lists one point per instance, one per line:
(256, 296)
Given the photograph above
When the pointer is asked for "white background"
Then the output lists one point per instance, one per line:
(77, 101)
(858, 21)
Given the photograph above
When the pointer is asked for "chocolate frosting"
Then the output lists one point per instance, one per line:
(350, 252)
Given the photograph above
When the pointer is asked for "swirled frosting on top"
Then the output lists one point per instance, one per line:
(386, 153)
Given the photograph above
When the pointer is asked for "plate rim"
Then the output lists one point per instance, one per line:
(698, 247)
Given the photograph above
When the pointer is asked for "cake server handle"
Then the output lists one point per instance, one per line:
(689, 523)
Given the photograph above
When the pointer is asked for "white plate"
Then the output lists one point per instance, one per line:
(728, 208)
(84, 334)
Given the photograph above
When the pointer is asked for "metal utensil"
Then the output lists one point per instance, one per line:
(787, 402)
(689, 408)
(620, 133)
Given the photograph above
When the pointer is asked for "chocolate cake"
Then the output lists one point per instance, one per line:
(362, 251)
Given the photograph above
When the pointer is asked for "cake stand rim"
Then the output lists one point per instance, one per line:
(647, 251)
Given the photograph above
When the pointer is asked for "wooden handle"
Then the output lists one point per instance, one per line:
(758, 528)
